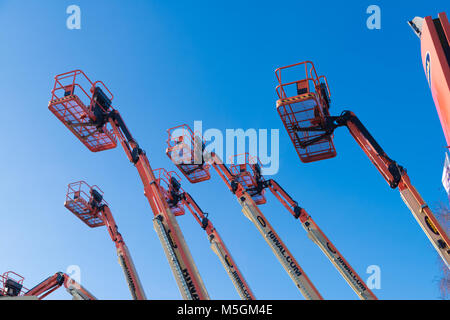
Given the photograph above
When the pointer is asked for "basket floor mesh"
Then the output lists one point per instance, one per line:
(73, 113)
(82, 210)
(301, 114)
(195, 172)
(247, 182)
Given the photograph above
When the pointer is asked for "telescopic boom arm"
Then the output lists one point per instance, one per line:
(56, 281)
(87, 115)
(184, 269)
(287, 260)
(316, 235)
(176, 197)
(219, 248)
(254, 183)
(123, 253)
(396, 176)
(93, 210)
(306, 117)
(196, 172)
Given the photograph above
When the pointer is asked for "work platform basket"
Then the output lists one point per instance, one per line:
(80, 104)
(11, 285)
(243, 168)
(79, 201)
(303, 106)
(169, 183)
(185, 149)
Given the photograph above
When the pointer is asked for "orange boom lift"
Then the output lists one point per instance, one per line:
(188, 153)
(434, 37)
(303, 106)
(12, 286)
(88, 205)
(249, 175)
(178, 200)
(85, 108)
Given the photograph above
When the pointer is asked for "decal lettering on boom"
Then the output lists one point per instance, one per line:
(190, 284)
(282, 250)
(358, 282)
(241, 285)
(172, 243)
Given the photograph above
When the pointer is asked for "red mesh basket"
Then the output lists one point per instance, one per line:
(303, 112)
(78, 202)
(185, 149)
(9, 278)
(242, 167)
(301, 104)
(163, 179)
(71, 102)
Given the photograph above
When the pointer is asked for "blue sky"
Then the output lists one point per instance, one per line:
(170, 63)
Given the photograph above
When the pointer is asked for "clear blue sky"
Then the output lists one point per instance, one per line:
(170, 63)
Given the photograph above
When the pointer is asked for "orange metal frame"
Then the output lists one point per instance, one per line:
(393, 173)
(185, 149)
(15, 277)
(233, 184)
(251, 171)
(396, 175)
(305, 108)
(96, 119)
(243, 174)
(53, 283)
(74, 106)
(81, 201)
(44, 288)
(78, 199)
(435, 50)
(178, 200)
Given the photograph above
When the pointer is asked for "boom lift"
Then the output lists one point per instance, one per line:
(303, 106)
(12, 286)
(188, 153)
(434, 37)
(88, 205)
(249, 174)
(56, 281)
(178, 200)
(85, 108)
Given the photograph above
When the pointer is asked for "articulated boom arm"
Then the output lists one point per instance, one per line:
(287, 260)
(218, 246)
(125, 260)
(222, 170)
(305, 115)
(86, 112)
(185, 271)
(389, 169)
(93, 210)
(56, 281)
(250, 210)
(319, 238)
(396, 176)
